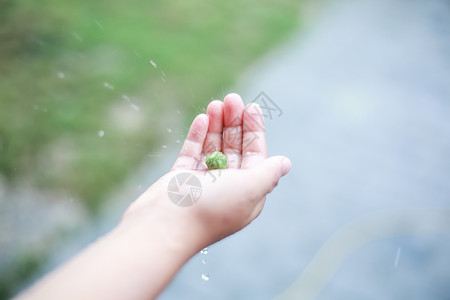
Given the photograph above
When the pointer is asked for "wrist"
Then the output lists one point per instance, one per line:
(152, 248)
(162, 223)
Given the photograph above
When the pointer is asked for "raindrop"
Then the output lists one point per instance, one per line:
(153, 64)
(204, 251)
(108, 86)
(61, 75)
(99, 24)
(126, 98)
(177, 141)
(397, 256)
(204, 261)
(135, 107)
(101, 133)
(205, 277)
(77, 36)
(164, 146)
(178, 112)
(169, 130)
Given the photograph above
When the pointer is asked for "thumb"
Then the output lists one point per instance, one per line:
(268, 173)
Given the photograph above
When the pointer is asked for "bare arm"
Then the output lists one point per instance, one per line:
(155, 238)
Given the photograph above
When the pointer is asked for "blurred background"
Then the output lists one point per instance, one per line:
(89, 91)
(95, 99)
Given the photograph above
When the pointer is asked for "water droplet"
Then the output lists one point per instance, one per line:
(177, 141)
(204, 261)
(77, 36)
(397, 256)
(204, 251)
(99, 24)
(101, 133)
(126, 98)
(153, 64)
(108, 86)
(169, 130)
(61, 75)
(205, 276)
(135, 107)
(164, 146)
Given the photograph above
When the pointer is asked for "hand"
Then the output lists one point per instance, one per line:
(231, 198)
(138, 258)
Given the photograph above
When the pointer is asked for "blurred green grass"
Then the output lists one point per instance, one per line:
(58, 58)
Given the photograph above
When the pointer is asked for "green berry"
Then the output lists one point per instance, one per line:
(216, 160)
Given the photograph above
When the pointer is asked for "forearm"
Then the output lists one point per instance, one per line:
(134, 261)
(155, 238)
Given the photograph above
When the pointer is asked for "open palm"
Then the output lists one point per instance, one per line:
(231, 198)
(228, 127)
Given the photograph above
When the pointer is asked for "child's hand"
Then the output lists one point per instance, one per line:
(139, 257)
(230, 198)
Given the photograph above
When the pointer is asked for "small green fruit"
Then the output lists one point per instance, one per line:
(216, 160)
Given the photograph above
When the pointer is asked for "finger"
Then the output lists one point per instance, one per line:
(190, 156)
(214, 137)
(233, 108)
(254, 149)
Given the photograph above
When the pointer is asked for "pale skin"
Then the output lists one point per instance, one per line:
(138, 258)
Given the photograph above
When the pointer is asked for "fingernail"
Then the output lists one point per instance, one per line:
(286, 166)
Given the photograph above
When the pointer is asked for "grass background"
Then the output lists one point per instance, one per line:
(72, 70)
